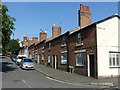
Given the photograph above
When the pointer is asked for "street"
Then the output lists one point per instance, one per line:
(15, 77)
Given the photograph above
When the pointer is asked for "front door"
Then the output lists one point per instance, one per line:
(54, 62)
(92, 69)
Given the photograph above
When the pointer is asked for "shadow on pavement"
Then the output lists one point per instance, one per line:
(6, 67)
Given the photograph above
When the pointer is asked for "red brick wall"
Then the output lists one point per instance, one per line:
(39, 48)
(55, 49)
(89, 43)
(46, 54)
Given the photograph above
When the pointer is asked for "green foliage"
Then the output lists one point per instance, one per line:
(0, 28)
(12, 47)
(7, 27)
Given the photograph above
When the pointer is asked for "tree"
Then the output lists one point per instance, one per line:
(7, 27)
(12, 47)
(0, 28)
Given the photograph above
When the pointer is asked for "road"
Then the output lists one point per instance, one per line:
(15, 77)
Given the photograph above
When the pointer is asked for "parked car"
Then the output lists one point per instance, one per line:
(27, 63)
(2, 55)
(13, 57)
(19, 58)
(8, 54)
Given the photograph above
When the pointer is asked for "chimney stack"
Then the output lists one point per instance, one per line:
(34, 39)
(30, 41)
(25, 40)
(84, 16)
(56, 30)
(43, 35)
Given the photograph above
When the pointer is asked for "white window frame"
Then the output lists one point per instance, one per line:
(48, 58)
(63, 61)
(114, 59)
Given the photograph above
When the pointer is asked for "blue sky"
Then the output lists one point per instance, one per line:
(33, 16)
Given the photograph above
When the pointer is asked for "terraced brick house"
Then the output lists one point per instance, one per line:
(91, 49)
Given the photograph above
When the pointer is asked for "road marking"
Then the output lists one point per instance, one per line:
(77, 84)
(26, 83)
(61, 81)
(23, 80)
(55, 80)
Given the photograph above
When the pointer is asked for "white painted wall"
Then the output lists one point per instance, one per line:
(107, 40)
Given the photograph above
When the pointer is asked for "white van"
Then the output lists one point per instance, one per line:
(19, 58)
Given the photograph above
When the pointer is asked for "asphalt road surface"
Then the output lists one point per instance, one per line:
(15, 77)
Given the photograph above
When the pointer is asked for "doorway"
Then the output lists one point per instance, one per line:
(38, 59)
(92, 65)
(54, 62)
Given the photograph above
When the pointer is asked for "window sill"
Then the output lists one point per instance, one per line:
(63, 45)
(80, 66)
(79, 44)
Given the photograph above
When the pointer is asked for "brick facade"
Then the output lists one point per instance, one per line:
(54, 52)
(39, 48)
(89, 44)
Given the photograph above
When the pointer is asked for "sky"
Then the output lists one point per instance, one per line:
(31, 17)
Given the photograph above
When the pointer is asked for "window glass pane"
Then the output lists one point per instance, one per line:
(42, 55)
(110, 58)
(64, 58)
(77, 60)
(48, 59)
(80, 57)
(117, 59)
(79, 38)
(113, 59)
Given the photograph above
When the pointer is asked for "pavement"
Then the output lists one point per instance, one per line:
(75, 79)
